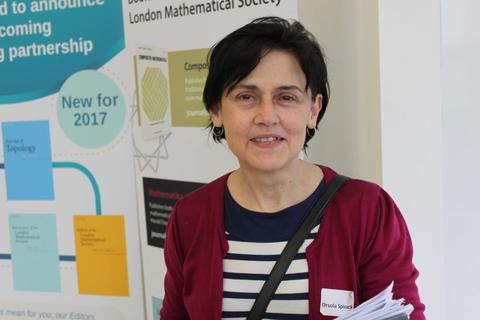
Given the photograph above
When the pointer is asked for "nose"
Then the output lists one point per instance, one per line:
(266, 113)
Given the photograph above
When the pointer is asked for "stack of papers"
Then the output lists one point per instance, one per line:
(380, 307)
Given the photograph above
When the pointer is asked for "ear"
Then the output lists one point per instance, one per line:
(216, 115)
(314, 111)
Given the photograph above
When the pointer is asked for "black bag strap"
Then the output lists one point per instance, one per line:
(291, 249)
(402, 316)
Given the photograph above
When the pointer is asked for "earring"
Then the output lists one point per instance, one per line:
(311, 131)
(218, 132)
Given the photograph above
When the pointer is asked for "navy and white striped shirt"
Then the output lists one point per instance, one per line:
(255, 241)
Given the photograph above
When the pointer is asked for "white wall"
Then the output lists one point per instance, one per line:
(461, 153)
(348, 138)
(410, 53)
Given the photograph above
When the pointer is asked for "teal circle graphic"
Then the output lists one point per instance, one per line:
(90, 109)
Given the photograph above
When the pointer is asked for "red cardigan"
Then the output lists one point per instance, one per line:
(362, 245)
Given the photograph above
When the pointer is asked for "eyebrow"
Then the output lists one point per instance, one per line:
(292, 87)
(280, 88)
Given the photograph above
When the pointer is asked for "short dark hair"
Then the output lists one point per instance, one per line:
(235, 56)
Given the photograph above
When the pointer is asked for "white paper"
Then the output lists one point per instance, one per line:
(382, 306)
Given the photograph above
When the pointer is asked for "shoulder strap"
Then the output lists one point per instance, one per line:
(291, 249)
(402, 316)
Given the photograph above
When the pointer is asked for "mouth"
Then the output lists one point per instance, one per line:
(267, 139)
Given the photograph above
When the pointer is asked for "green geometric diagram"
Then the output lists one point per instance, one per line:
(154, 94)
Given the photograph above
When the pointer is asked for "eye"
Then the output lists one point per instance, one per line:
(245, 97)
(287, 98)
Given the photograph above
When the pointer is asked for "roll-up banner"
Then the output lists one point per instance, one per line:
(102, 130)
(174, 153)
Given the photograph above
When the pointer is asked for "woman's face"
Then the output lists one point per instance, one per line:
(265, 115)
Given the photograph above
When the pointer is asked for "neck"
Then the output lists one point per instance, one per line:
(274, 191)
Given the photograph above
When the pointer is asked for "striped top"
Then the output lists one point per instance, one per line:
(255, 241)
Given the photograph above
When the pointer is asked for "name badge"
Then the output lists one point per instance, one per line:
(336, 302)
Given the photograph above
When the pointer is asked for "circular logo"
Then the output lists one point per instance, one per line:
(90, 109)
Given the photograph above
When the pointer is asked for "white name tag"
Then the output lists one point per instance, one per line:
(336, 302)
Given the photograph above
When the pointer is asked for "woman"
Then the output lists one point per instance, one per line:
(266, 91)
